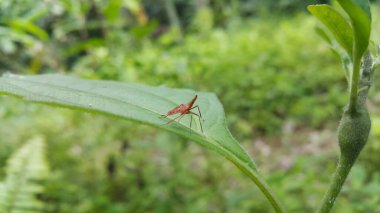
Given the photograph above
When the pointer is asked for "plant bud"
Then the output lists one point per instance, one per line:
(353, 133)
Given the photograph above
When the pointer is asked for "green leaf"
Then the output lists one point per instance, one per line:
(75, 48)
(130, 101)
(27, 26)
(336, 23)
(142, 104)
(360, 16)
(364, 5)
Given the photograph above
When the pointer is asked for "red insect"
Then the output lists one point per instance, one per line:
(185, 109)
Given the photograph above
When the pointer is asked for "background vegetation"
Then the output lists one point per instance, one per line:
(282, 88)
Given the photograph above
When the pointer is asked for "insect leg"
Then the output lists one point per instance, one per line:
(200, 114)
(199, 117)
(191, 120)
(172, 120)
(181, 117)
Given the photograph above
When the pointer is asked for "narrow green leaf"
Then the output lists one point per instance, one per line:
(360, 16)
(82, 45)
(29, 27)
(130, 101)
(336, 23)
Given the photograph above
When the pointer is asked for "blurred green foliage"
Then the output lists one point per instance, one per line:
(278, 73)
(278, 82)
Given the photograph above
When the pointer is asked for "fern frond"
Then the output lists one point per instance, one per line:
(26, 172)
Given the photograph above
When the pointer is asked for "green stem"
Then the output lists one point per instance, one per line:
(341, 173)
(260, 183)
(354, 85)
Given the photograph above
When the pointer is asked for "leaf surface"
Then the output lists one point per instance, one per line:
(336, 23)
(135, 102)
(360, 16)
